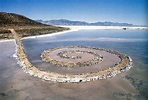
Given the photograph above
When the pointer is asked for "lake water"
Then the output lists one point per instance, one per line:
(133, 43)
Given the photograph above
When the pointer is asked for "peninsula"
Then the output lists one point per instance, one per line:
(24, 26)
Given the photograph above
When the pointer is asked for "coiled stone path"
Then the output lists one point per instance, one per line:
(124, 64)
(72, 56)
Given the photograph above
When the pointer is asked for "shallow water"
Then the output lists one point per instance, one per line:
(131, 85)
(130, 42)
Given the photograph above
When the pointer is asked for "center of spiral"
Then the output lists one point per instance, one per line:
(70, 54)
(71, 57)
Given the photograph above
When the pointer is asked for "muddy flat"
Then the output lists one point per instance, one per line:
(17, 85)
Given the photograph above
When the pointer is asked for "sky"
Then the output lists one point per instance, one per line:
(128, 11)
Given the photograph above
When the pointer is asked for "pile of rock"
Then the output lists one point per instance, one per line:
(64, 54)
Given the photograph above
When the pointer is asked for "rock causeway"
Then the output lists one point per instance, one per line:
(108, 63)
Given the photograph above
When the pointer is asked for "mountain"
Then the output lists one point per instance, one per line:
(24, 26)
(11, 19)
(63, 22)
(82, 23)
(110, 24)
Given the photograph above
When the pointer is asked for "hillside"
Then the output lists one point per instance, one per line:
(9, 19)
(82, 23)
(24, 26)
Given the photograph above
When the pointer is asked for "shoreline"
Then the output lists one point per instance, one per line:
(106, 27)
(7, 40)
(77, 28)
(50, 34)
(38, 36)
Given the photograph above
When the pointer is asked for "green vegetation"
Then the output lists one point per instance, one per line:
(39, 31)
(6, 34)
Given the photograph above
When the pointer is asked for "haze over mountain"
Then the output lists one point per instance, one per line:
(10, 19)
(82, 23)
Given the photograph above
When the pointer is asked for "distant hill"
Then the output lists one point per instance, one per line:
(10, 19)
(62, 22)
(82, 23)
